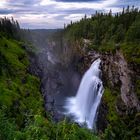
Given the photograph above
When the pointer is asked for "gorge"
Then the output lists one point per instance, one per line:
(60, 83)
(119, 107)
(54, 84)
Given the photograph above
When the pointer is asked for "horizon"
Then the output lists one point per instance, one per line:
(53, 14)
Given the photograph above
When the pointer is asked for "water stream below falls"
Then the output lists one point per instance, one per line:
(83, 107)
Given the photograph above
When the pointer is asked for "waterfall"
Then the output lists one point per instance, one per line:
(83, 107)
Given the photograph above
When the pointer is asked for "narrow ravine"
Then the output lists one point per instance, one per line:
(59, 80)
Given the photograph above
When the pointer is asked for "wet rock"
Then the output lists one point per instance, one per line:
(121, 107)
(102, 117)
(119, 76)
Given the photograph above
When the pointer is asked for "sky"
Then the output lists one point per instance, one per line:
(51, 14)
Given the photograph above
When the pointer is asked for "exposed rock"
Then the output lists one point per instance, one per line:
(120, 106)
(102, 114)
(117, 74)
(57, 74)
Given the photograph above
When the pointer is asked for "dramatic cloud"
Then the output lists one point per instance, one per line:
(54, 13)
(77, 0)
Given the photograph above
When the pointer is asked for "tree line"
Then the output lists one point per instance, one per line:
(104, 27)
(9, 27)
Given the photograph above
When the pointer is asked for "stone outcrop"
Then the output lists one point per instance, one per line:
(118, 75)
(116, 71)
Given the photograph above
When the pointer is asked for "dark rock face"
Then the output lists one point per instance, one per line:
(52, 63)
(101, 117)
(58, 84)
(116, 71)
(118, 75)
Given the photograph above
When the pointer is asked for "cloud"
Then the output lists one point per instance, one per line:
(22, 2)
(78, 0)
(125, 3)
(5, 11)
(70, 5)
(54, 13)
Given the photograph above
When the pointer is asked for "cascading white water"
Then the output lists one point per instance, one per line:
(84, 105)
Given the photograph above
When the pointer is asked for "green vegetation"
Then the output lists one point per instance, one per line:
(22, 114)
(120, 125)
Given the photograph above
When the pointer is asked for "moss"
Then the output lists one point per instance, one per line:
(120, 126)
(16, 96)
(110, 100)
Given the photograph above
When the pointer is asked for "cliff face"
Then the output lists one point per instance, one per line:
(116, 70)
(118, 76)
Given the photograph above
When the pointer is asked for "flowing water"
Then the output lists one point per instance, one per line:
(83, 107)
